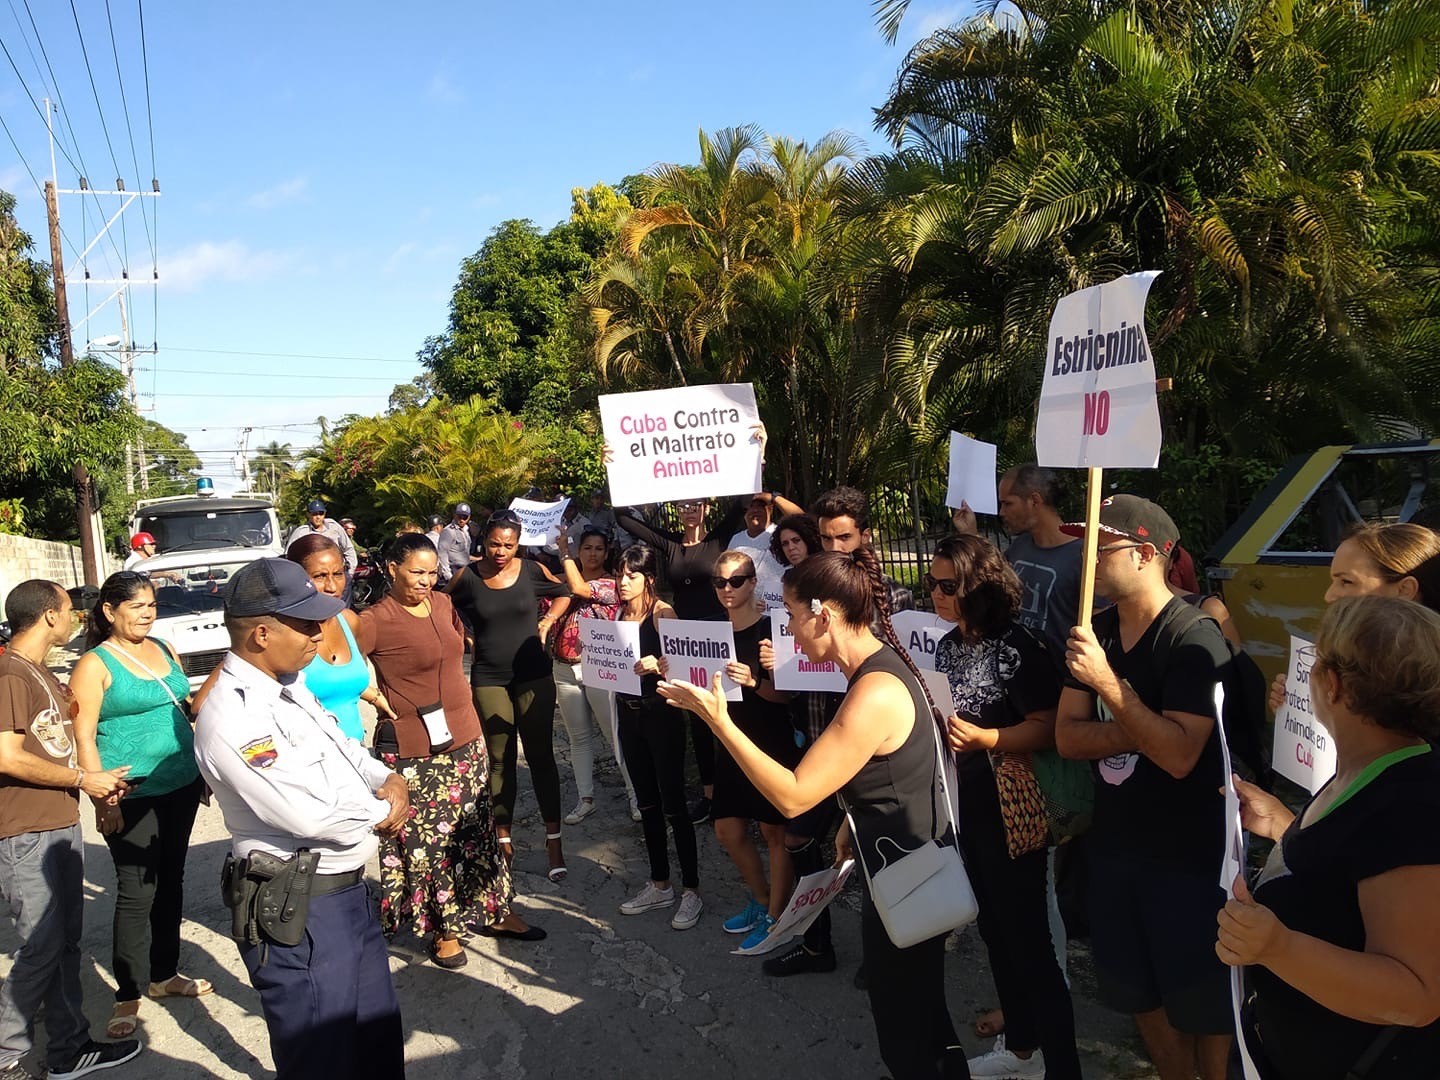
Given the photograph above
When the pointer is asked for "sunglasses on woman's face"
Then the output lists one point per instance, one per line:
(503, 517)
(948, 586)
(736, 582)
(686, 507)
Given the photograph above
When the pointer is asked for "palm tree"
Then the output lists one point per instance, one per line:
(272, 465)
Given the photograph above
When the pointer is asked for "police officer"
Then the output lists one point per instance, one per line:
(455, 543)
(290, 782)
(317, 521)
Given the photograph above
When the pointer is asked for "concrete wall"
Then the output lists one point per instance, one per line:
(23, 558)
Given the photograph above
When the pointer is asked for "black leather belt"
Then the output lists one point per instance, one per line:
(324, 884)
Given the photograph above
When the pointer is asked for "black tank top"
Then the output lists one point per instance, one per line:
(649, 646)
(894, 795)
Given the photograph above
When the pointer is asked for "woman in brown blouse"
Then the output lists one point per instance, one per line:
(444, 869)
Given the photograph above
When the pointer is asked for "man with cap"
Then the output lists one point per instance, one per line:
(1140, 702)
(455, 543)
(293, 787)
(317, 522)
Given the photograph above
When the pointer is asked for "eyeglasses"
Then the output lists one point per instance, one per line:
(503, 517)
(687, 506)
(948, 586)
(1116, 547)
(736, 582)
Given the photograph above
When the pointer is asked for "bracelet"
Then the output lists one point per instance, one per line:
(79, 779)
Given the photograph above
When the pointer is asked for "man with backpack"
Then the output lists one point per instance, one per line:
(1140, 702)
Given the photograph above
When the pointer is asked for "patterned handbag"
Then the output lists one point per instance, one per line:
(1022, 804)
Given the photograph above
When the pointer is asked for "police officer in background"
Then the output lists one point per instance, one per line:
(317, 521)
(303, 805)
(455, 543)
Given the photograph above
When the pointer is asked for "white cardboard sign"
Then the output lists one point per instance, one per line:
(920, 632)
(1304, 751)
(539, 522)
(812, 895)
(1097, 403)
(1232, 863)
(696, 649)
(609, 652)
(972, 475)
(938, 683)
(686, 443)
(792, 670)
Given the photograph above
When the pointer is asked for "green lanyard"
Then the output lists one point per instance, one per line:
(1370, 772)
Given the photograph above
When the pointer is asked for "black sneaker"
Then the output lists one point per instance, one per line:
(798, 960)
(861, 982)
(700, 812)
(94, 1056)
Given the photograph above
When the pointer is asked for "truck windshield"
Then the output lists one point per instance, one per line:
(189, 590)
(199, 530)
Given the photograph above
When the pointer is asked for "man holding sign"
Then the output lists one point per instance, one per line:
(1140, 703)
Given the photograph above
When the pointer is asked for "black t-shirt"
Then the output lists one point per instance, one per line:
(508, 648)
(1311, 883)
(996, 683)
(766, 722)
(1140, 809)
(688, 567)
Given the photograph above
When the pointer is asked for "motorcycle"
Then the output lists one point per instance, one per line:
(368, 583)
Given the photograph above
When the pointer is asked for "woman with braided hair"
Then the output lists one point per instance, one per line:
(879, 753)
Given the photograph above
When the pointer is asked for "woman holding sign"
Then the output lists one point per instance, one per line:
(654, 748)
(510, 675)
(592, 581)
(763, 714)
(1340, 933)
(880, 754)
(1004, 687)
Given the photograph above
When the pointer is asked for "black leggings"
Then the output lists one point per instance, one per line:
(528, 709)
(1015, 924)
(907, 999)
(652, 739)
(149, 853)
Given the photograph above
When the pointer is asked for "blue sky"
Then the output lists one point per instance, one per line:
(326, 167)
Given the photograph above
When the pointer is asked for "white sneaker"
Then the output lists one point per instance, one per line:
(583, 809)
(648, 899)
(1002, 1064)
(634, 811)
(688, 913)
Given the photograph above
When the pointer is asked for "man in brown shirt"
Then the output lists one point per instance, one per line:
(42, 868)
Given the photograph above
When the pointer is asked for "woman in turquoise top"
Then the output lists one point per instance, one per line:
(131, 695)
(337, 676)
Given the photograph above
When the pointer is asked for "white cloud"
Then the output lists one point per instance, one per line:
(926, 23)
(191, 267)
(442, 89)
(287, 191)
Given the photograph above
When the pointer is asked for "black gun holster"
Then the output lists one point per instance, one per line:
(268, 897)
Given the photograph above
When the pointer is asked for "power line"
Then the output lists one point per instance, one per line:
(104, 127)
(287, 397)
(281, 375)
(288, 356)
(154, 174)
(129, 130)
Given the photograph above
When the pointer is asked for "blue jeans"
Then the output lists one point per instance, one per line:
(42, 879)
(329, 1002)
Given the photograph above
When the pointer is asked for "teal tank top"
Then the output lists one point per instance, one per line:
(338, 686)
(141, 727)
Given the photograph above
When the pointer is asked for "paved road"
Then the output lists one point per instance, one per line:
(603, 996)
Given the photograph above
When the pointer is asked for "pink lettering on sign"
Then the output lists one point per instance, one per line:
(699, 677)
(1097, 413)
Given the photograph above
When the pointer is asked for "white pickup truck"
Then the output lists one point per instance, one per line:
(201, 542)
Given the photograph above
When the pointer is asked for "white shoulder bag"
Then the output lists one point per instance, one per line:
(924, 892)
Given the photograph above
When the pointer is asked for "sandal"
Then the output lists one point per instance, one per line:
(556, 874)
(453, 962)
(187, 987)
(123, 1024)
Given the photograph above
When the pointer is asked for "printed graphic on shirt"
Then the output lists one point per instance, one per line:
(48, 727)
(260, 753)
(1274, 869)
(980, 673)
(1039, 582)
(1117, 768)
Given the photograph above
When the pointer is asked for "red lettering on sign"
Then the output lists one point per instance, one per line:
(1097, 413)
(699, 677)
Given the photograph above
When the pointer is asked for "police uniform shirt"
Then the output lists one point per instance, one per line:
(335, 531)
(454, 547)
(284, 774)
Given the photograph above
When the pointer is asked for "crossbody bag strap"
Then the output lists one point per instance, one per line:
(148, 671)
(1367, 1061)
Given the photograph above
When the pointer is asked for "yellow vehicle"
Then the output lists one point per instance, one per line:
(1272, 566)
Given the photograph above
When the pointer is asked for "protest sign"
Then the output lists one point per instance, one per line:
(812, 895)
(792, 670)
(1097, 401)
(769, 589)
(608, 654)
(687, 443)
(696, 650)
(943, 698)
(920, 632)
(1098, 407)
(1304, 751)
(539, 522)
(1232, 863)
(972, 475)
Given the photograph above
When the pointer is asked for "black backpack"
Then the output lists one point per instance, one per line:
(1243, 718)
